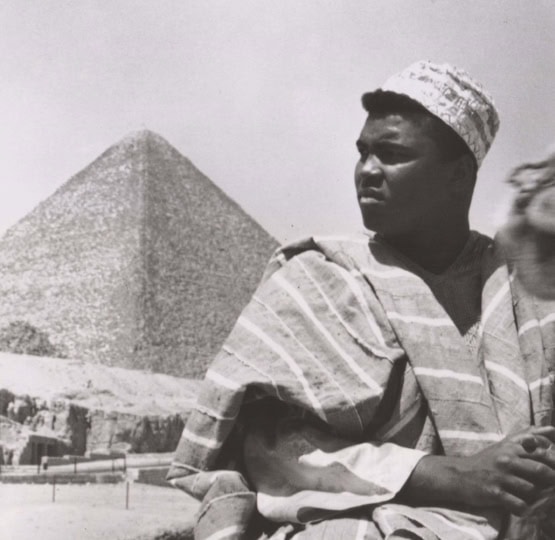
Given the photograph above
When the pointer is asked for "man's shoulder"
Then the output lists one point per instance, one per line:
(342, 249)
(331, 246)
(362, 250)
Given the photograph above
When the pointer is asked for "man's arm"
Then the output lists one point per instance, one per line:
(510, 474)
(299, 466)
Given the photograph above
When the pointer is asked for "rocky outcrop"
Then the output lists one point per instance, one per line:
(19, 444)
(6, 397)
(52, 406)
(68, 421)
(77, 430)
(131, 433)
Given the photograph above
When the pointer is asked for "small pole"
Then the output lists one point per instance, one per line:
(124, 462)
(127, 495)
(113, 469)
(74, 465)
(53, 489)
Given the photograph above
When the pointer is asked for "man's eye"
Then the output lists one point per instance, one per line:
(363, 152)
(391, 156)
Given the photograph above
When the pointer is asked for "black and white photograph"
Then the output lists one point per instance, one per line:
(277, 270)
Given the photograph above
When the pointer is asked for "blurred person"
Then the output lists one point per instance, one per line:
(529, 235)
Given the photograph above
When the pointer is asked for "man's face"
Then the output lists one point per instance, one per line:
(400, 178)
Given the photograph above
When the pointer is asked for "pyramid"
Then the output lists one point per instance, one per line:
(138, 261)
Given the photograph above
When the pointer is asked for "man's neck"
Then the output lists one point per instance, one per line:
(436, 249)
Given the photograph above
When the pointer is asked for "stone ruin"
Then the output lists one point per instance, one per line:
(77, 408)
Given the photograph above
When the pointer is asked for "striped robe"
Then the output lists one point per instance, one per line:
(337, 327)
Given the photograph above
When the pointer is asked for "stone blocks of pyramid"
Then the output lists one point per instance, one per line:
(138, 261)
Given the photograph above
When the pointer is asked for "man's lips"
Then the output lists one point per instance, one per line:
(370, 195)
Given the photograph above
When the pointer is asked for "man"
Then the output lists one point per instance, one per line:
(386, 386)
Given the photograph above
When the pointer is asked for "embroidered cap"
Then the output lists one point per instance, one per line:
(454, 97)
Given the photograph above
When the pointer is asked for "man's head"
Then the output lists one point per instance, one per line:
(427, 131)
(450, 145)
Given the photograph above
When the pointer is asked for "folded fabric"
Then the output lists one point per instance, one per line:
(335, 323)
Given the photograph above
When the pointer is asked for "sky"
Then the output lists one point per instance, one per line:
(262, 96)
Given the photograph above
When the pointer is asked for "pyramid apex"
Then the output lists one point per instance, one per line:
(142, 135)
(138, 143)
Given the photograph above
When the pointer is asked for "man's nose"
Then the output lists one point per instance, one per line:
(371, 170)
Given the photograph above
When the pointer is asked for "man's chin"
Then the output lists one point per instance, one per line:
(373, 224)
(369, 220)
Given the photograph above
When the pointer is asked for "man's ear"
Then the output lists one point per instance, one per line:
(463, 175)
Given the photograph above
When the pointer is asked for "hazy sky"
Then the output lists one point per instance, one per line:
(263, 96)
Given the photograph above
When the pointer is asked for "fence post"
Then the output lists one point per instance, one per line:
(127, 495)
(53, 489)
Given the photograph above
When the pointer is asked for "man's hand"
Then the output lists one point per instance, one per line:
(509, 475)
